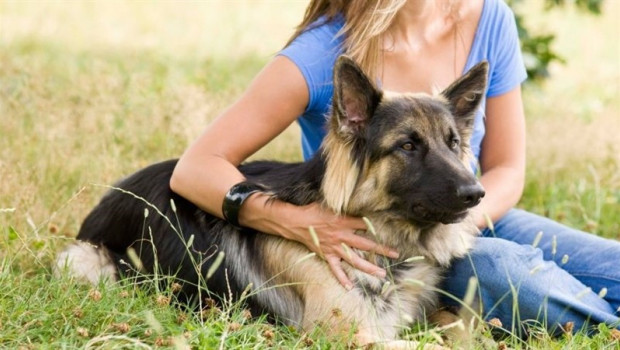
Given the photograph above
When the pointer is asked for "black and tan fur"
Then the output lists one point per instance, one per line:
(401, 160)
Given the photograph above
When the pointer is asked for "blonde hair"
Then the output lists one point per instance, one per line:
(365, 22)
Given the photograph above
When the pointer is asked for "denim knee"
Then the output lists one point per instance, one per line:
(499, 267)
(517, 286)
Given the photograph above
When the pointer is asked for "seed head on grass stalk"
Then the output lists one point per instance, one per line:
(135, 259)
(216, 263)
(152, 321)
(385, 288)
(470, 292)
(537, 268)
(370, 226)
(583, 293)
(315, 239)
(347, 251)
(564, 259)
(414, 258)
(313, 235)
(489, 222)
(414, 282)
(537, 239)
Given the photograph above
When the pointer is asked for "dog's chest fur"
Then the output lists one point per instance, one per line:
(409, 290)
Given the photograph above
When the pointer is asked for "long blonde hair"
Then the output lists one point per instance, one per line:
(365, 21)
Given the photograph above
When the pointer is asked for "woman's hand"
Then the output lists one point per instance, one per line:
(335, 234)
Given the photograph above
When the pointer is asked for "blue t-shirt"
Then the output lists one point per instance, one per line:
(315, 51)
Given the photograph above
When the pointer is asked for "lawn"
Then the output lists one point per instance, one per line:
(92, 91)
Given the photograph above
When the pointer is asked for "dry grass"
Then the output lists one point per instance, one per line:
(224, 28)
(573, 123)
(95, 90)
(575, 116)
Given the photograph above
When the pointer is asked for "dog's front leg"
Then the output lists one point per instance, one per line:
(342, 313)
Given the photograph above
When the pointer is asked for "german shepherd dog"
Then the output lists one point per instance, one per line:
(400, 160)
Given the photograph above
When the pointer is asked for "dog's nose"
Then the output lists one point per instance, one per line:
(470, 195)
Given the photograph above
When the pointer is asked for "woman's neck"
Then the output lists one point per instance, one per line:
(420, 22)
(428, 44)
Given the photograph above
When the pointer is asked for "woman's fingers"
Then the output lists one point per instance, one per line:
(335, 253)
(364, 265)
(354, 222)
(362, 243)
(333, 238)
(335, 265)
(365, 244)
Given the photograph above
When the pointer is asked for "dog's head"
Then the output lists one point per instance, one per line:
(403, 153)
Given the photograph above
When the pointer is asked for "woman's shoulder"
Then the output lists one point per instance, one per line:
(314, 52)
(320, 40)
(324, 32)
(497, 41)
(497, 14)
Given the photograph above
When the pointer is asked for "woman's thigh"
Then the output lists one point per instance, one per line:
(593, 260)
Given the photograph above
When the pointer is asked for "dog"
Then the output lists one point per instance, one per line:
(400, 160)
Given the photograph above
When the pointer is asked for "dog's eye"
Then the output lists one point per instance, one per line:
(454, 143)
(408, 146)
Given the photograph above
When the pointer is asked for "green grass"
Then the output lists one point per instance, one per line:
(94, 91)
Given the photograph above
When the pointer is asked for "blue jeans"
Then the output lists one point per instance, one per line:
(570, 276)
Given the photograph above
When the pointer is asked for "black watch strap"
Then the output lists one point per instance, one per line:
(234, 199)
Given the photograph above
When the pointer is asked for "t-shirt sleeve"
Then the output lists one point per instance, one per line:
(509, 70)
(314, 52)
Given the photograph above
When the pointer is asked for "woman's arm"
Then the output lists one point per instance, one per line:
(208, 169)
(502, 157)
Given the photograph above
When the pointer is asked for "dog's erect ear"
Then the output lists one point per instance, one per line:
(465, 94)
(355, 98)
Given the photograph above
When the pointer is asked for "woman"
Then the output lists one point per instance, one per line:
(410, 46)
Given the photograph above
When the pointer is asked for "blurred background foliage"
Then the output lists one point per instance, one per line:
(537, 48)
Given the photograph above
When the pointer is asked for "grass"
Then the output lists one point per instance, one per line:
(93, 91)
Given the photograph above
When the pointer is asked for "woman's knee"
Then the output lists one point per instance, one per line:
(497, 264)
(516, 283)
